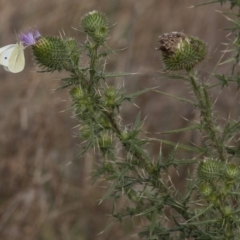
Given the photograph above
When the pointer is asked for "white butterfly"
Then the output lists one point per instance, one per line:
(12, 57)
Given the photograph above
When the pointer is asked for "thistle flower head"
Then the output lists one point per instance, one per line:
(55, 53)
(29, 38)
(180, 51)
(209, 169)
(205, 189)
(96, 26)
(232, 171)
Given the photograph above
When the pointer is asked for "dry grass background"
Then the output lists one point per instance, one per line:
(42, 196)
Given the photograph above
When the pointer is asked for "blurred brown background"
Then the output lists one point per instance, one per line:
(43, 196)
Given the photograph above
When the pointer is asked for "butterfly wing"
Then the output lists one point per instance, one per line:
(16, 61)
(5, 53)
(6, 68)
(2, 49)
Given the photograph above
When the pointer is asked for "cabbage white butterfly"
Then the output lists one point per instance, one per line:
(12, 57)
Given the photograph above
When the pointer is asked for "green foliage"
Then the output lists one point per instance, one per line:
(208, 209)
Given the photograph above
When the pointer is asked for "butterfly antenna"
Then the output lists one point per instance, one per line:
(16, 35)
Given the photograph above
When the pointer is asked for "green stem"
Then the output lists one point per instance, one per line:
(206, 111)
(93, 62)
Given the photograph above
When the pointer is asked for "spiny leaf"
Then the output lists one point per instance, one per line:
(179, 130)
(109, 226)
(200, 222)
(185, 161)
(205, 3)
(115, 183)
(138, 93)
(201, 213)
(115, 74)
(148, 210)
(176, 97)
(154, 221)
(182, 146)
(137, 123)
(229, 60)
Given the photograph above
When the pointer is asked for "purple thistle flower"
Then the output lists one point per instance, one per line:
(29, 38)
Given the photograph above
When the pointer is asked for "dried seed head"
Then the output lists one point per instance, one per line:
(170, 41)
(180, 51)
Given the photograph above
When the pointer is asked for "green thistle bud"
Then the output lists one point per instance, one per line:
(104, 122)
(55, 53)
(232, 171)
(85, 132)
(111, 92)
(214, 199)
(84, 105)
(180, 51)
(104, 140)
(96, 26)
(83, 102)
(77, 93)
(126, 135)
(73, 49)
(205, 189)
(105, 143)
(227, 211)
(110, 97)
(209, 169)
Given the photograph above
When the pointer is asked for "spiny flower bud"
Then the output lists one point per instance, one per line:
(126, 135)
(105, 143)
(85, 132)
(209, 169)
(77, 93)
(232, 171)
(205, 189)
(227, 211)
(55, 53)
(96, 26)
(180, 51)
(73, 49)
(104, 140)
(110, 97)
(104, 122)
(83, 106)
(82, 101)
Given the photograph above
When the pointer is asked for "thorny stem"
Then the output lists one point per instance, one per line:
(170, 201)
(207, 114)
(93, 61)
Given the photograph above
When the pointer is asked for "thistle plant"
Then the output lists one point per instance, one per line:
(209, 207)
